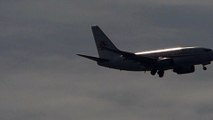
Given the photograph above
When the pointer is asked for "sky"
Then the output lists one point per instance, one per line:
(43, 79)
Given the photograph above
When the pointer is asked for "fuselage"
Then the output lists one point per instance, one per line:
(180, 55)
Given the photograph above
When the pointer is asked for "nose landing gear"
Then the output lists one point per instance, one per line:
(204, 67)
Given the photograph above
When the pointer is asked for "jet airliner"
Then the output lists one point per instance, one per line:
(181, 60)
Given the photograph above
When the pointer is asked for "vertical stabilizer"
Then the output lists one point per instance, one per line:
(103, 43)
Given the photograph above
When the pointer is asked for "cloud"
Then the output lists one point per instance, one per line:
(43, 79)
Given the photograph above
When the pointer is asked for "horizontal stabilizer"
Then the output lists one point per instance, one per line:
(93, 58)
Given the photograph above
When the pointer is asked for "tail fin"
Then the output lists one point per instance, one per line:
(103, 43)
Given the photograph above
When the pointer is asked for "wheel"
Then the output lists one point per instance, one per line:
(153, 72)
(204, 68)
(161, 73)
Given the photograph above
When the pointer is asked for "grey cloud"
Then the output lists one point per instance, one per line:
(42, 79)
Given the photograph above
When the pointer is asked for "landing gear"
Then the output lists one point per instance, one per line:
(204, 67)
(153, 72)
(160, 73)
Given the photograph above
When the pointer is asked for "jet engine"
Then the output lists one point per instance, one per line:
(184, 69)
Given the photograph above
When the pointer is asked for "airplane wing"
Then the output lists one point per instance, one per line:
(135, 57)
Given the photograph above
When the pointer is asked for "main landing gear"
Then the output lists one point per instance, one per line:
(153, 72)
(159, 72)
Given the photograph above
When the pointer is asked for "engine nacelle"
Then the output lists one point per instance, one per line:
(184, 69)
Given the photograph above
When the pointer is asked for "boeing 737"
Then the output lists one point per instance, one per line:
(181, 60)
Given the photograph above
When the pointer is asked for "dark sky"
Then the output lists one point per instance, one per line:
(43, 79)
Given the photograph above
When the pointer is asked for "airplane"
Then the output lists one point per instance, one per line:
(181, 60)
